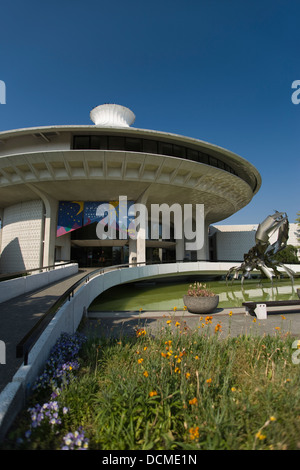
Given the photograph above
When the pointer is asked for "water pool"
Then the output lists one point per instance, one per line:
(167, 295)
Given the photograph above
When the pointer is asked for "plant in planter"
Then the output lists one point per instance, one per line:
(200, 299)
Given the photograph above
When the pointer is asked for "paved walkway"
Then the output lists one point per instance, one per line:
(279, 321)
(19, 315)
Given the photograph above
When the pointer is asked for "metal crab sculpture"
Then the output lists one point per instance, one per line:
(262, 256)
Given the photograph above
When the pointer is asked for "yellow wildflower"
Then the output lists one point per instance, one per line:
(260, 436)
(153, 393)
(140, 360)
(146, 374)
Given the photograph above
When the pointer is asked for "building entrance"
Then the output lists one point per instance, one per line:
(99, 256)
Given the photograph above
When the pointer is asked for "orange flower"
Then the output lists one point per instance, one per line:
(141, 332)
(140, 360)
(194, 401)
(194, 433)
(146, 374)
(208, 381)
(153, 393)
(218, 327)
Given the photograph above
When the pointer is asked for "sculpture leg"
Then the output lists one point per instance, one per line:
(288, 271)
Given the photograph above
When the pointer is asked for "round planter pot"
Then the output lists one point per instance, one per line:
(200, 304)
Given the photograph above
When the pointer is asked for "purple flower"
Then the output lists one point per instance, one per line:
(75, 441)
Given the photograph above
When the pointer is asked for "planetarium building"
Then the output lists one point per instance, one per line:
(53, 180)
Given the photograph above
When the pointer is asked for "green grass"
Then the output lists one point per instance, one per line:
(179, 390)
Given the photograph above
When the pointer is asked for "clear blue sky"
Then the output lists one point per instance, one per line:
(220, 71)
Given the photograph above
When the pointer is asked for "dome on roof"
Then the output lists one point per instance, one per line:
(112, 115)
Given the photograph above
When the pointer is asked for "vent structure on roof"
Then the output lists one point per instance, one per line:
(112, 115)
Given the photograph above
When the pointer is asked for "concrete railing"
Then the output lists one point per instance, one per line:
(22, 285)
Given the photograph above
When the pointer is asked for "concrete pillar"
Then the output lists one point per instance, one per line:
(1, 226)
(132, 251)
(50, 225)
(137, 247)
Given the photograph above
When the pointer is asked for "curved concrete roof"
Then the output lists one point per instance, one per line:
(41, 159)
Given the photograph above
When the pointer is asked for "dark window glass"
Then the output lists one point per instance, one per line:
(203, 158)
(149, 146)
(192, 154)
(95, 142)
(116, 143)
(103, 142)
(133, 145)
(213, 161)
(221, 165)
(179, 151)
(164, 148)
(81, 142)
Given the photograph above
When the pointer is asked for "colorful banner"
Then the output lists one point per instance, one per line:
(70, 217)
(76, 214)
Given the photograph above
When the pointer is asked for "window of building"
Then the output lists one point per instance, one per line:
(116, 143)
(133, 145)
(81, 142)
(179, 151)
(149, 146)
(192, 154)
